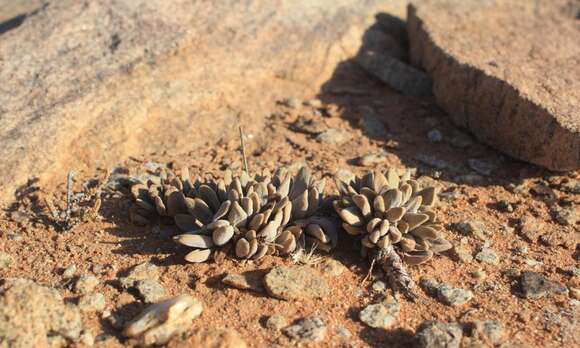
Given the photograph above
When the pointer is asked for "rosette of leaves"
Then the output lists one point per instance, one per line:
(392, 216)
(259, 215)
(160, 200)
(309, 227)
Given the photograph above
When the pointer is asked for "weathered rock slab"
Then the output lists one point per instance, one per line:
(87, 84)
(507, 71)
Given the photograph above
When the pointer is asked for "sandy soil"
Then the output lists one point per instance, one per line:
(110, 245)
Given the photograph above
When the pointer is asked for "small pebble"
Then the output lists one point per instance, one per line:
(436, 334)
(487, 255)
(453, 296)
(490, 331)
(372, 126)
(380, 315)
(245, 281)
(145, 270)
(435, 136)
(334, 136)
(149, 290)
(504, 206)
(574, 293)
(295, 282)
(332, 267)
(158, 323)
(276, 322)
(69, 272)
(474, 228)
(482, 167)
(379, 286)
(290, 102)
(463, 254)
(479, 275)
(371, 159)
(566, 216)
(92, 302)
(311, 329)
(315, 103)
(342, 332)
(87, 339)
(534, 285)
(5, 260)
(86, 284)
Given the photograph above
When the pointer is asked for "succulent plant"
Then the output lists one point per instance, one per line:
(392, 217)
(259, 215)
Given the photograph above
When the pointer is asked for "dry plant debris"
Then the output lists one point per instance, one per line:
(80, 206)
(393, 217)
(254, 216)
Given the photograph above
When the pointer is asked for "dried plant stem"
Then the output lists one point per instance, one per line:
(398, 276)
(69, 197)
(243, 145)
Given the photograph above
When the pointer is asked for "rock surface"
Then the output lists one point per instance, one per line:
(36, 316)
(118, 79)
(518, 88)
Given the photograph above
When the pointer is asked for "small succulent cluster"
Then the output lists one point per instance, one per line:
(390, 211)
(260, 215)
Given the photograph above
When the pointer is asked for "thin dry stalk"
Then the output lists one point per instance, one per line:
(243, 146)
(69, 197)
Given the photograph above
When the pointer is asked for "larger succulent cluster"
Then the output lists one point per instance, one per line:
(391, 211)
(264, 214)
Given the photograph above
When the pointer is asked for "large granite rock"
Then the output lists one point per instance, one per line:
(508, 70)
(88, 83)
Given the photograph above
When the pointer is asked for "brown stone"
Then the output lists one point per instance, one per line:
(506, 70)
(86, 84)
(295, 282)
